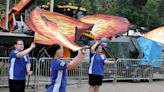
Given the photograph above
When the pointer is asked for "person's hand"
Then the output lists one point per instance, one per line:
(113, 62)
(29, 73)
(83, 50)
(32, 45)
(98, 41)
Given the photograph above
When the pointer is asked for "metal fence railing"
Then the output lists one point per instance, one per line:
(132, 69)
(158, 72)
(75, 76)
(43, 73)
(122, 69)
(4, 67)
(4, 64)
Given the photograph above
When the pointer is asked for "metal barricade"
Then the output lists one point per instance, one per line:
(109, 72)
(31, 81)
(158, 72)
(123, 69)
(4, 68)
(43, 78)
(83, 69)
(132, 69)
(4, 64)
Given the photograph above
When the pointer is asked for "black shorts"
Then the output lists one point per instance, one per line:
(17, 85)
(95, 80)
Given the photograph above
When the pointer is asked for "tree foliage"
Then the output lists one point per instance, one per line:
(141, 13)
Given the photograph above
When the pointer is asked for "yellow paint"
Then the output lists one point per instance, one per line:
(89, 36)
(71, 7)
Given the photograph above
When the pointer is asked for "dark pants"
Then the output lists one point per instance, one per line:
(17, 85)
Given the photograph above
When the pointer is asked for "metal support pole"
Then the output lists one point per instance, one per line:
(7, 15)
(51, 5)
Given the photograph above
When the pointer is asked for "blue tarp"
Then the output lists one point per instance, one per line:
(152, 52)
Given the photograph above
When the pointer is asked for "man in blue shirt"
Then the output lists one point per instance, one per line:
(96, 68)
(19, 66)
(59, 67)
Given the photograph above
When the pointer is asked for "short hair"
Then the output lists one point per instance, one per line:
(52, 49)
(17, 40)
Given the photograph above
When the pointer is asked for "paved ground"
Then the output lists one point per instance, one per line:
(156, 86)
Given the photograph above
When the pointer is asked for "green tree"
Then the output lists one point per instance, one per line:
(141, 13)
(160, 10)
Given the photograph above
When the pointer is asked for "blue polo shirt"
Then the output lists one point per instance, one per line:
(96, 64)
(17, 69)
(58, 76)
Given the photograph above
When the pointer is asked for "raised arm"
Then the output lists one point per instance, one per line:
(77, 60)
(94, 47)
(25, 52)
